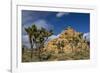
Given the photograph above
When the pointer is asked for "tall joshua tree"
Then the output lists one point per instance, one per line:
(30, 34)
(37, 37)
(31, 31)
(42, 38)
(34, 37)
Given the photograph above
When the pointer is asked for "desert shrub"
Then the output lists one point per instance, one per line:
(45, 56)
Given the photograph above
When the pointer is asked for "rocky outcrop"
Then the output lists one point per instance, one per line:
(69, 42)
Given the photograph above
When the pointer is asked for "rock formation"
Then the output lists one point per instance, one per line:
(69, 45)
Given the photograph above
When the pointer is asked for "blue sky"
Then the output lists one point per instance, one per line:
(57, 21)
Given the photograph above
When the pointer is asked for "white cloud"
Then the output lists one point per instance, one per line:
(39, 23)
(60, 14)
(42, 23)
(23, 29)
(25, 41)
(52, 37)
(86, 36)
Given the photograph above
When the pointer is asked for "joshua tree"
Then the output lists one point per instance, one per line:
(37, 37)
(32, 32)
(60, 46)
(42, 38)
(81, 35)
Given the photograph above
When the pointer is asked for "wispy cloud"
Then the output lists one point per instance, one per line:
(60, 14)
(39, 23)
(29, 16)
(43, 23)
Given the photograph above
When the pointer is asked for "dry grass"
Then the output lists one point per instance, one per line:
(51, 56)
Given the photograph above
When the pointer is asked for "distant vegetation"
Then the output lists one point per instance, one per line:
(70, 45)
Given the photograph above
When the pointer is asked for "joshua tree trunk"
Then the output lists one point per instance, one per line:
(31, 48)
(23, 49)
(31, 53)
(39, 51)
(41, 47)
